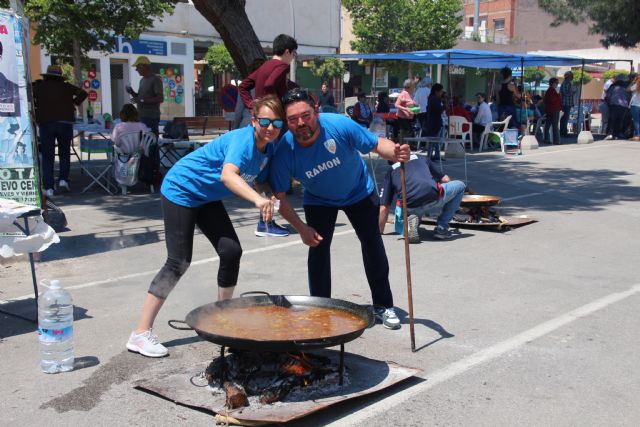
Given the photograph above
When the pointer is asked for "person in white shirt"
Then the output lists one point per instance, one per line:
(421, 97)
(483, 115)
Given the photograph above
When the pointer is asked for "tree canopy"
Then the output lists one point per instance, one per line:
(327, 69)
(615, 20)
(93, 24)
(404, 25)
(220, 60)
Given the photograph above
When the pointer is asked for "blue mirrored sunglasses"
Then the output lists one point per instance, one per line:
(264, 122)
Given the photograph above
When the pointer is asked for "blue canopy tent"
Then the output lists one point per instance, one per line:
(475, 59)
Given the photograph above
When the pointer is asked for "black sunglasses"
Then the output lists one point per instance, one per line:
(295, 95)
(264, 122)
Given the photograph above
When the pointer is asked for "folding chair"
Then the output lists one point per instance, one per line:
(98, 170)
(509, 142)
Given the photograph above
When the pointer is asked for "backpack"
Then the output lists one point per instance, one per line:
(174, 130)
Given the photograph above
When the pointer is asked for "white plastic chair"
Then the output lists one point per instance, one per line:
(456, 126)
(491, 128)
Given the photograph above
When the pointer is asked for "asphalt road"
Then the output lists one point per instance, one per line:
(534, 326)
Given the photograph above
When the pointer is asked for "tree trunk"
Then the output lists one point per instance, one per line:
(229, 19)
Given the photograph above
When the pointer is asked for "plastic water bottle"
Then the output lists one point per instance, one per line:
(55, 329)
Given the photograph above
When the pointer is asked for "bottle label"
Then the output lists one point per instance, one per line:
(54, 335)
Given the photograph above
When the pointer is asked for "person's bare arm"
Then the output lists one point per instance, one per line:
(230, 177)
(389, 150)
(309, 236)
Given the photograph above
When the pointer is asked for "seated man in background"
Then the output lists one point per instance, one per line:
(361, 111)
(483, 116)
(427, 188)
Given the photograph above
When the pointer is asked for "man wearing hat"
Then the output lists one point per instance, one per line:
(150, 94)
(55, 103)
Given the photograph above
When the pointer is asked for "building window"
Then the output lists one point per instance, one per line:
(498, 24)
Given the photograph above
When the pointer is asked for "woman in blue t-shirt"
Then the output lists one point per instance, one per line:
(192, 194)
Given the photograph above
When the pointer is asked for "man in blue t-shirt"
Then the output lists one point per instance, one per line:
(322, 151)
(427, 188)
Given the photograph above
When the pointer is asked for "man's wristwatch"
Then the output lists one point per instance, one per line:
(141, 101)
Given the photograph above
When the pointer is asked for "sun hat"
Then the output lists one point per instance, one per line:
(53, 71)
(142, 60)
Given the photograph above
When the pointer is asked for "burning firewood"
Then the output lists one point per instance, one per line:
(236, 396)
(277, 392)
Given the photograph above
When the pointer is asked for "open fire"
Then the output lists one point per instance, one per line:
(260, 378)
(478, 214)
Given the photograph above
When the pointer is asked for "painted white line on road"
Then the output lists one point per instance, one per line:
(536, 153)
(153, 272)
(484, 356)
(523, 196)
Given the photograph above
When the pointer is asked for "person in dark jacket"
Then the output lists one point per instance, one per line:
(618, 99)
(433, 122)
(427, 188)
(55, 102)
(552, 107)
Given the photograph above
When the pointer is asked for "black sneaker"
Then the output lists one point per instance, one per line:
(441, 233)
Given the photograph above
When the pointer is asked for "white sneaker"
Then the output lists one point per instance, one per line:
(146, 344)
(49, 193)
(63, 185)
(388, 318)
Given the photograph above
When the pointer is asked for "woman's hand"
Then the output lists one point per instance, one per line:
(266, 208)
(310, 236)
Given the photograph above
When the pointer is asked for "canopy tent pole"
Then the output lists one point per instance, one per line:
(449, 79)
(373, 80)
(523, 101)
(580, 123)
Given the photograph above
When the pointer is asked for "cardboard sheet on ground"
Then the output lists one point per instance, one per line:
(510, 222)
(365, 376)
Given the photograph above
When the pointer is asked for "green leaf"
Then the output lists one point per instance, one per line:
(220, 60)
(404, 25)
(615, 20)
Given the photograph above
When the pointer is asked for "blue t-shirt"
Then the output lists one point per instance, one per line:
(331, 169)
(195, 179)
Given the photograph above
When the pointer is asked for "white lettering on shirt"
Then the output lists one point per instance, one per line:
(329, 164)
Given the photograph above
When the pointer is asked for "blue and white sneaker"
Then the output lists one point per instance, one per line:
(270, 229)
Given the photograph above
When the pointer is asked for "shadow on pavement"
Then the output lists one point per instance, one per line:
(12, 326)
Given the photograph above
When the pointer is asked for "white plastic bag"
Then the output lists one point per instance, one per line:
(126, 168)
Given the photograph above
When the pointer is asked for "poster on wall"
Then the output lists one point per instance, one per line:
(18, 171)
(173, 85)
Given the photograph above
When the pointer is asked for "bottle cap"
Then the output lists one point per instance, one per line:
(54, 284)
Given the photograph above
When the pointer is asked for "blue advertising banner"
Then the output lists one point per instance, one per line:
(142, 46)
(18, 157)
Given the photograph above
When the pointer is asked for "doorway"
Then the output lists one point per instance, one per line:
(119, 79)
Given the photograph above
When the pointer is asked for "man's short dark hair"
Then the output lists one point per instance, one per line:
(283, 42)
(437, 87)
(297, 94)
